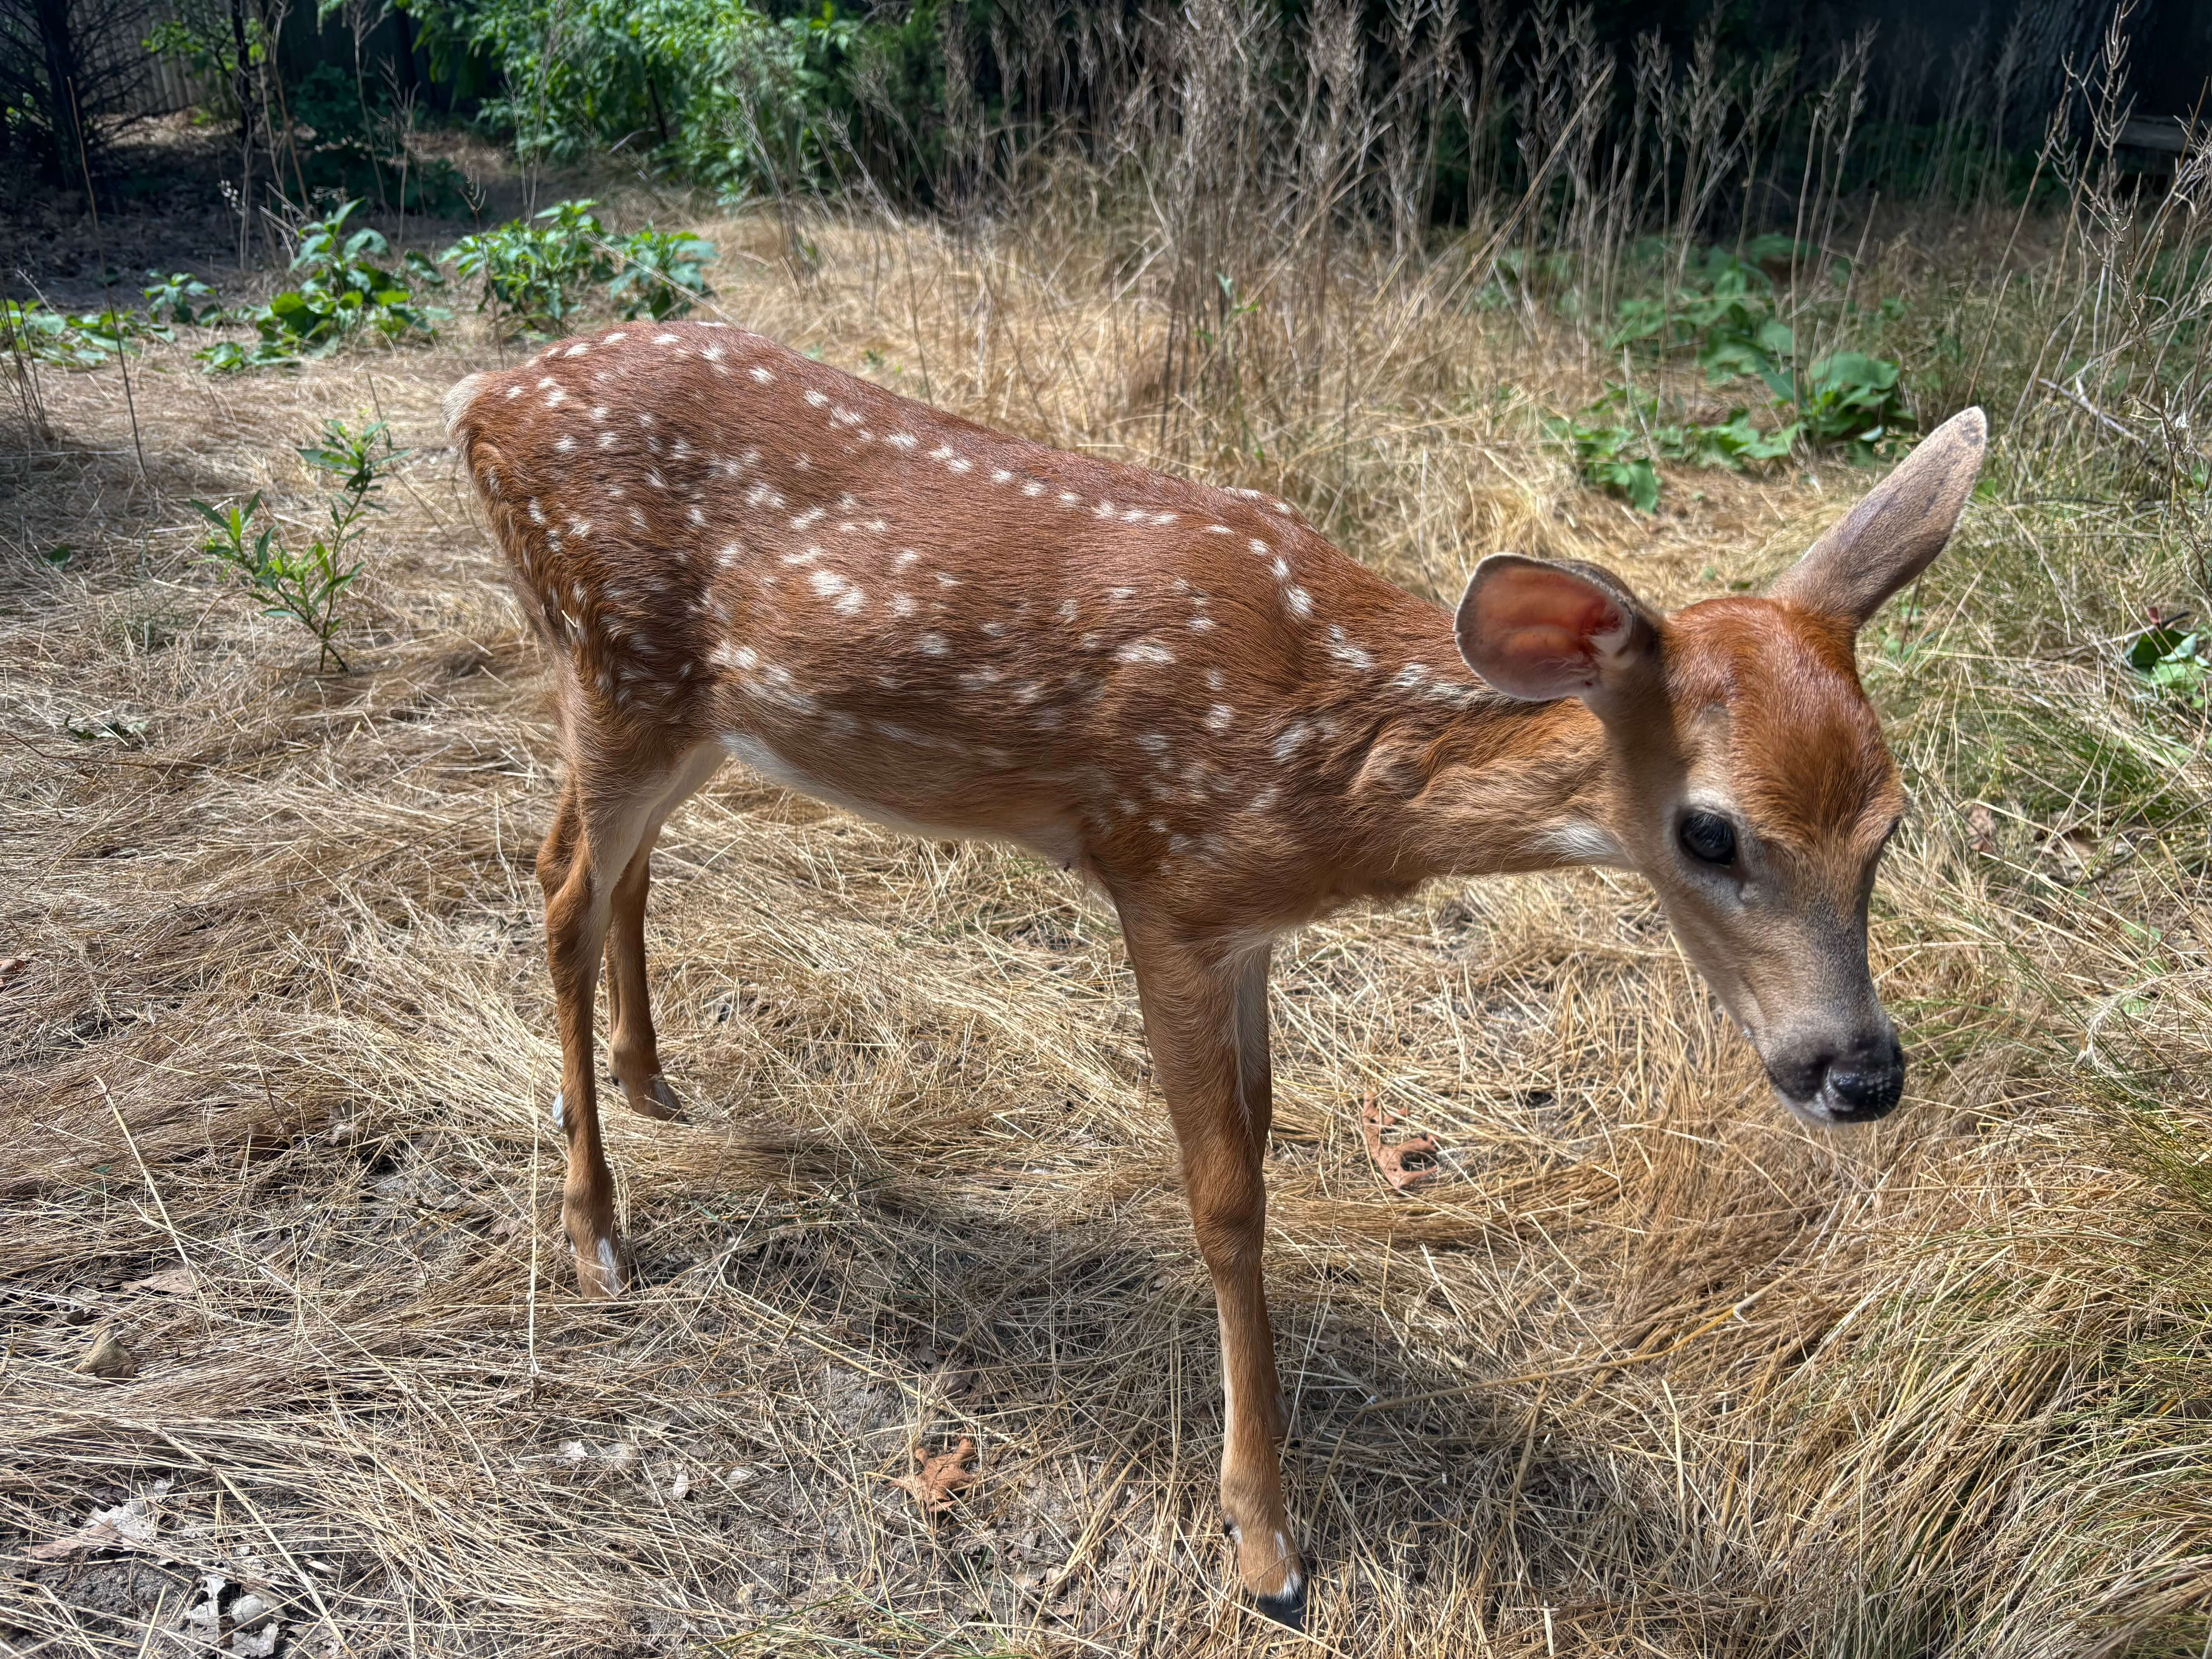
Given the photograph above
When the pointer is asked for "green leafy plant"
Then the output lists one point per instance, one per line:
(84, 340)
(1613, 458)
(1617, 441)
(535, 271)
(2172, 662)
(344, 293)
(1723, 314)
(308, 586)
(1854, 400)
(662, 273)
(180, 299)
(748, 98)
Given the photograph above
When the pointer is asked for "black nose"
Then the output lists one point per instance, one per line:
(1856, 1081)
(1869, 1088)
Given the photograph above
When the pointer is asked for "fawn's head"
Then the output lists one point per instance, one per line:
(1750, 783)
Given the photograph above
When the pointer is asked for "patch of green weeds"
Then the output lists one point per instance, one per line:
(1853, 400)
(1722, 314)
(344, 293)
(1617, 441)
(81, 340)
(2173, 663)
(535, 273)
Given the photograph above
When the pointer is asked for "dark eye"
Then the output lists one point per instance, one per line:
(1708, 838)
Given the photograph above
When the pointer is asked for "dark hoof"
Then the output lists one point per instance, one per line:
(1288, 1611)
(656, 1101)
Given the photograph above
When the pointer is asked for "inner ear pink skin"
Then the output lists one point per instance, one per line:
(1535, 631)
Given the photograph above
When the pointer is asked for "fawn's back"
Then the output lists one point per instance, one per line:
(940, 626)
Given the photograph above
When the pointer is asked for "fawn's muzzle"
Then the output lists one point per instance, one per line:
(1853, 1080)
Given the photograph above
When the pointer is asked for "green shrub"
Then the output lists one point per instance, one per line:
(662, 273)
(771, 111)
(730, 94)
(356, 146)
(342, 295)
(306, 586)
(535, 273)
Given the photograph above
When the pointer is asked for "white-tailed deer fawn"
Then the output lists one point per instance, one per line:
(1189, 697)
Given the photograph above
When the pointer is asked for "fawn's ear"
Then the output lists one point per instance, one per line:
(1895, 532)
(1538, 629)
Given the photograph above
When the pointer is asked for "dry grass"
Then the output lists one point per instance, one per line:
(1651, 1371)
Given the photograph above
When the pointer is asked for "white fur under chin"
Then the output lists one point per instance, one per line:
(1584, 844)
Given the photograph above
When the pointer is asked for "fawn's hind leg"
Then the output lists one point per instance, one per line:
(633, 1051)
(610, 807)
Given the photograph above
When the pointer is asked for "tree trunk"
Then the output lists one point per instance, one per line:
(2051, 33)
(57, 42)
(242, 77)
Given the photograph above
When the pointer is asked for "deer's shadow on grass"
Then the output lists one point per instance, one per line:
(1095, 1341)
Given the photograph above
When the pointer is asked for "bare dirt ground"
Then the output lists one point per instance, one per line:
(1647, 1369)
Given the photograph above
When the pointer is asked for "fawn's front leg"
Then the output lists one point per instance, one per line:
(1206, 1019)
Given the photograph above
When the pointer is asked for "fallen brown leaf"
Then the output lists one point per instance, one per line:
(170, 1281)
(107, 1357)
(1377, 1119)
(128, 1526)
(939, 1479)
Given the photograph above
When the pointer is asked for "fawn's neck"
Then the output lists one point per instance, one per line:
(1431, 784)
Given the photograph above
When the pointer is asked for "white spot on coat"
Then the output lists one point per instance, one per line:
(1346, 651)
(1144, 650)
